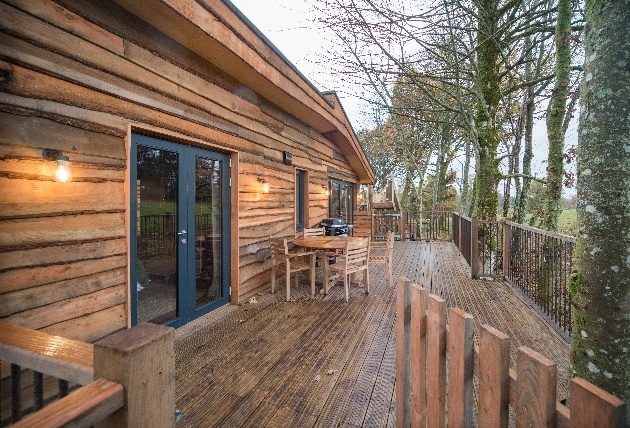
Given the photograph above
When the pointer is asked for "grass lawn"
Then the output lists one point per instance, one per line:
(567, 223)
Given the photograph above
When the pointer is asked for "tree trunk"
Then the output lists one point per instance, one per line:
(555, 117)
(528, 155)
(601, 285)
(489, 78)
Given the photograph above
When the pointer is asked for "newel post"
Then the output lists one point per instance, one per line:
(459, 238)
(474, 248)
(142, 359)
(506, 247)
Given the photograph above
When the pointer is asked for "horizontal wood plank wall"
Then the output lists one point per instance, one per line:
(74, 76)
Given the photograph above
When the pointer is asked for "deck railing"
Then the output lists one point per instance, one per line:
(157, 233)
(428, 225)
(124, 380)
(427, 348)
(536, 261)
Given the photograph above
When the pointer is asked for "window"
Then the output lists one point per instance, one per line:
(341, 201)
(300, 200)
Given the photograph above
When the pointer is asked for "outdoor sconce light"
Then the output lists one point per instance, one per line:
(62, 172)
(326, 190)
(265, 185)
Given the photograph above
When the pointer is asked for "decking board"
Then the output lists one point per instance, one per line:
(267, 363)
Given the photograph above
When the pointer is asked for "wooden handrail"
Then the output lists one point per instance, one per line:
(57, 356)
(83, 408)
(122, 397)
(567, 238)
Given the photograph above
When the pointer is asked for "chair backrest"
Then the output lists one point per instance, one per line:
(362, 232)
(315, 231)
(279, 249)
(389, 238)
(357, 252)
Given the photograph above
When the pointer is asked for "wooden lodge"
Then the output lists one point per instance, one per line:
(191, 141)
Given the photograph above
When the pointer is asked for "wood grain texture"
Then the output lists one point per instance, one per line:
(436, 355)
(494, 366)
(54, 355)
(592, 406)
(142, 359)
(403, 345)
(418, 364)
(536, 389)
(460, 368)
(82, 408)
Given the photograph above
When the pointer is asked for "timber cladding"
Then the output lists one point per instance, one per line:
(76, 76)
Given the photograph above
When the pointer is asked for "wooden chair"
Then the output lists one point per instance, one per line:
(362, 232)
(287, 262)
(383, 252)
(354, 259)
(315, 231)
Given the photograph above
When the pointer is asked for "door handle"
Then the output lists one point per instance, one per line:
(183, 232)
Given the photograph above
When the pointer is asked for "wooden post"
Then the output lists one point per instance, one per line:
(592, 406)
(494, 377)
(436, 356)
(418, 366)
(402, 225)
(460, 369)
(403, 352)
(474, 248)
(459, 244)
(535, 390)
(142, 359)
(372, 226)
(506, 247)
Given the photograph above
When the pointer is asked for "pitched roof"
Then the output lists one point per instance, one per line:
(221, 34)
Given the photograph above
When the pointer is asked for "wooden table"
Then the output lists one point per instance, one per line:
(327, 245)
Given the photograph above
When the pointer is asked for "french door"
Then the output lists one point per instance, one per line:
(180, 231)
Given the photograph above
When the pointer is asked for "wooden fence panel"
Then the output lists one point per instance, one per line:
(494, 377)
(436, 355)
(418, 365)
(536, 389)
(460, 369)
(403, 351)
(427, 349)
(592, 406)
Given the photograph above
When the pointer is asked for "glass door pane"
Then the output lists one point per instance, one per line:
(208, 220)
(335, 202)
(157, 234)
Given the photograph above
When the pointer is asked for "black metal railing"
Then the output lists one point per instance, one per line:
(28, 396)
(386, 222)
(157, 234)
(540, 264)
(429, 225)
(489, 249)
(536, 261)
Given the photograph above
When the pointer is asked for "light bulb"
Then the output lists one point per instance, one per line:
(62, 172)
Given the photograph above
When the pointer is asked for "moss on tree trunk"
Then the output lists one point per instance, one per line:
(601, 286)
(555, 117)
(489, 78)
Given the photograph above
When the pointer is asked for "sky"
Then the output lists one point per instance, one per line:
(289, 25)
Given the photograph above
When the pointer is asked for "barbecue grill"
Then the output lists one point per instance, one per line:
(334, 227)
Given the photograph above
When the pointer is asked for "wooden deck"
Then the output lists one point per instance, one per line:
(323, 363)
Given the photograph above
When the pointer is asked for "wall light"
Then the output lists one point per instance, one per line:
(265, 185)
(326, 190)
(62, 172)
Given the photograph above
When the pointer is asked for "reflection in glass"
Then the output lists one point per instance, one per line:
(157, 235)
(207, 230)
(335, 202)
(341, 200)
